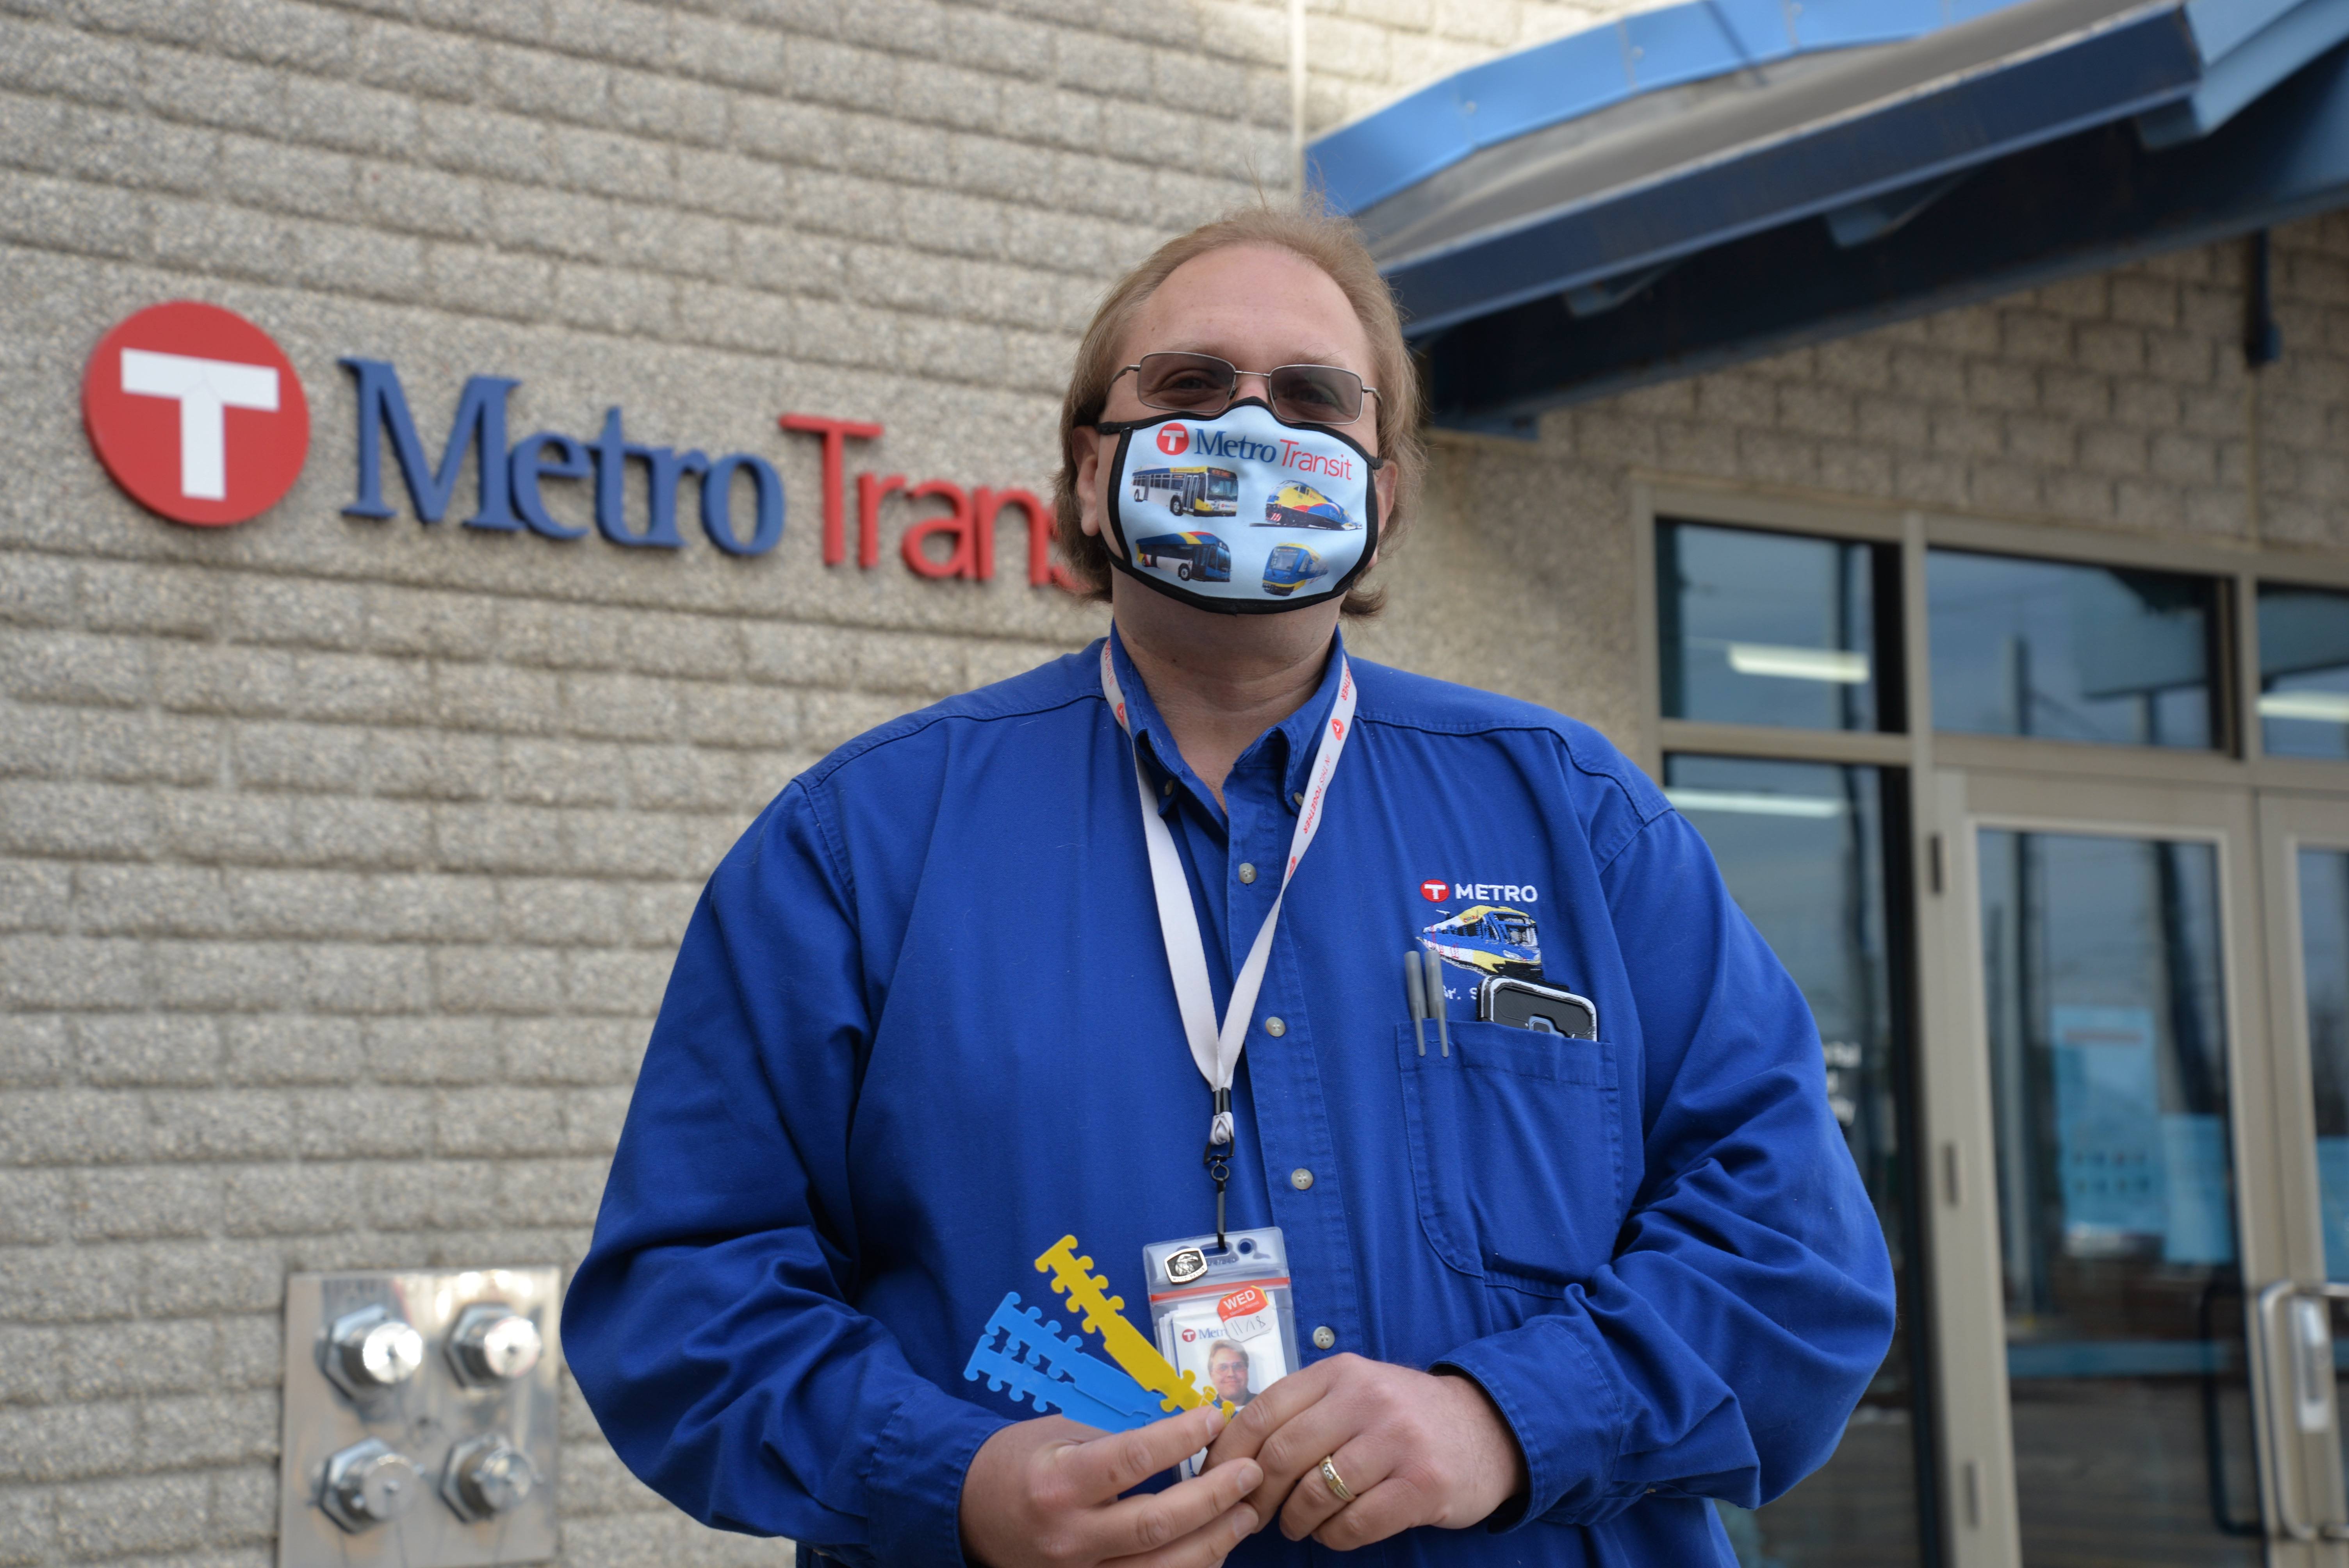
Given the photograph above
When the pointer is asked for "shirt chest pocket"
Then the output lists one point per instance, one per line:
(1515, 1152)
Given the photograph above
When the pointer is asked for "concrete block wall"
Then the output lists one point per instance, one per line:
(341, 861)
(2115, 400)
(1362, 55)
(2304, 449)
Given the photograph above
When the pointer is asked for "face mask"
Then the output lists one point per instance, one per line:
(1244, 513)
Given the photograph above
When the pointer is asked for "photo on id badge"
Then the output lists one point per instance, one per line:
(1231, 1342)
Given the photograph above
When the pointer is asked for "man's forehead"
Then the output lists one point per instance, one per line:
(1299, 313)
(1298, 350)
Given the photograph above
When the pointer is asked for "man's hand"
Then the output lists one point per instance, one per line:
(1047, 1492)
(1411, 1448)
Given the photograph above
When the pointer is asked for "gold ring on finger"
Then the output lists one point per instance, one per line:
(1330, 1476)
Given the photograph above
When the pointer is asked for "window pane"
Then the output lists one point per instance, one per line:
(1766, 628)
(2124, 1298)
(2069, 653)
(2304, 671)
(1802, 847)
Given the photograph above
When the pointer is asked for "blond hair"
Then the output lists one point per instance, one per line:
(1329, 244)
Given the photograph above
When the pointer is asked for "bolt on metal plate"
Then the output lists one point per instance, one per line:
(420, 1418)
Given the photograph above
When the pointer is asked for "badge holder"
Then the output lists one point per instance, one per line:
(1225, 1314)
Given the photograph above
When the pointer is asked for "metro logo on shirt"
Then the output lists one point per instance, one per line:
(196, 413)
(1434, 889)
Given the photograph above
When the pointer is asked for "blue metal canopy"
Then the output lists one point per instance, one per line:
(1714, 180)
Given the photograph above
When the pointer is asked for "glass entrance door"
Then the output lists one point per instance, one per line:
(2122, 1280)
(2127, 1101)
(2305, 869)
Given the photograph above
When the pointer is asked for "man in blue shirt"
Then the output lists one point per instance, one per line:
(933, 1013)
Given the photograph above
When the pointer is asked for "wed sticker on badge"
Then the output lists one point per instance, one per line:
(1224, 1316)
(1247, 1313)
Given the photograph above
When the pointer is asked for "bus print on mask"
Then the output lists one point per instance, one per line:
(1312, 486)
(1196, 492)
(1192, 557)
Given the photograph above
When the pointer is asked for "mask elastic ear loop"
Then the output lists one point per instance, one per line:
(1112, 514)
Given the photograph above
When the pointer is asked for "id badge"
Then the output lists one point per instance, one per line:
(1225, 1315)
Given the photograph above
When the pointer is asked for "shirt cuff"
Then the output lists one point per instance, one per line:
(1568, 1415)
(913, 1483)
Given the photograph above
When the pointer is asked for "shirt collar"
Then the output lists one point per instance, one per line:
(1289, 745)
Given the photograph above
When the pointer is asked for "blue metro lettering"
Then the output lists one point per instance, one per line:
(511, 481)
(1224, 443)
(481, 424)
(612, 455)
(529, 465)
(717, 503)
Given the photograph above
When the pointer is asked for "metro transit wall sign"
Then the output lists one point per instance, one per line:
(196, 413)
(199, 415)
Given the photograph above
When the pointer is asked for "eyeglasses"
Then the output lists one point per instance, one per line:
(1202, 386)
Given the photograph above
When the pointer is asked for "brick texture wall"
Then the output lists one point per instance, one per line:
(2115, 400)
(341, 861)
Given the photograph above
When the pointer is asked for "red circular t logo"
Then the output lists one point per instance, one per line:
(1174, 441)
(196, 413)
(1434, 889)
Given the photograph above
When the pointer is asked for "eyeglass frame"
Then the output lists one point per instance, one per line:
(1236, 374)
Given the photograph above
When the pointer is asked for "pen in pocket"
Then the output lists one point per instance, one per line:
(1410, 989)
(1438, 1003)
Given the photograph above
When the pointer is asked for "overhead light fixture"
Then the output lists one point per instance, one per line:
(1798, 663)
(2324, 707)
(1754, 804)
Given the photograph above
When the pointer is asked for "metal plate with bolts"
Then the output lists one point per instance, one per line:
(421, 1412)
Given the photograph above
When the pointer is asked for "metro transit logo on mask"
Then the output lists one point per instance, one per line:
(197, 413)
(1174, 441)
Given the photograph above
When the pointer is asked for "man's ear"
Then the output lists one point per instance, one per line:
(1089, 502)
(1088, 444)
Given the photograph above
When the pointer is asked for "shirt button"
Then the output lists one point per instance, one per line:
(1167, 787)
(1300, 1177)
(1247, 871)
(1296, 798)
(1274, 1028)
(1324, 1337)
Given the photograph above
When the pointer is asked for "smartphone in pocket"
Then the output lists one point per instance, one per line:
(1545, 1009)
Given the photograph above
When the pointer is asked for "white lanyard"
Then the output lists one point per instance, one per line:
(1218, 1052)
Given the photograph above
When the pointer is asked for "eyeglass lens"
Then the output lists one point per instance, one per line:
(1203, 385)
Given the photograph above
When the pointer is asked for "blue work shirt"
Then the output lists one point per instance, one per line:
(922, 1026)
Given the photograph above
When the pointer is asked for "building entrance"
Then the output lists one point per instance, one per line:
(2053, 830)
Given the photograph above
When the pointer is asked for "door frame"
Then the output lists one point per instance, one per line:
(2289, 822)
(2267, 1109)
